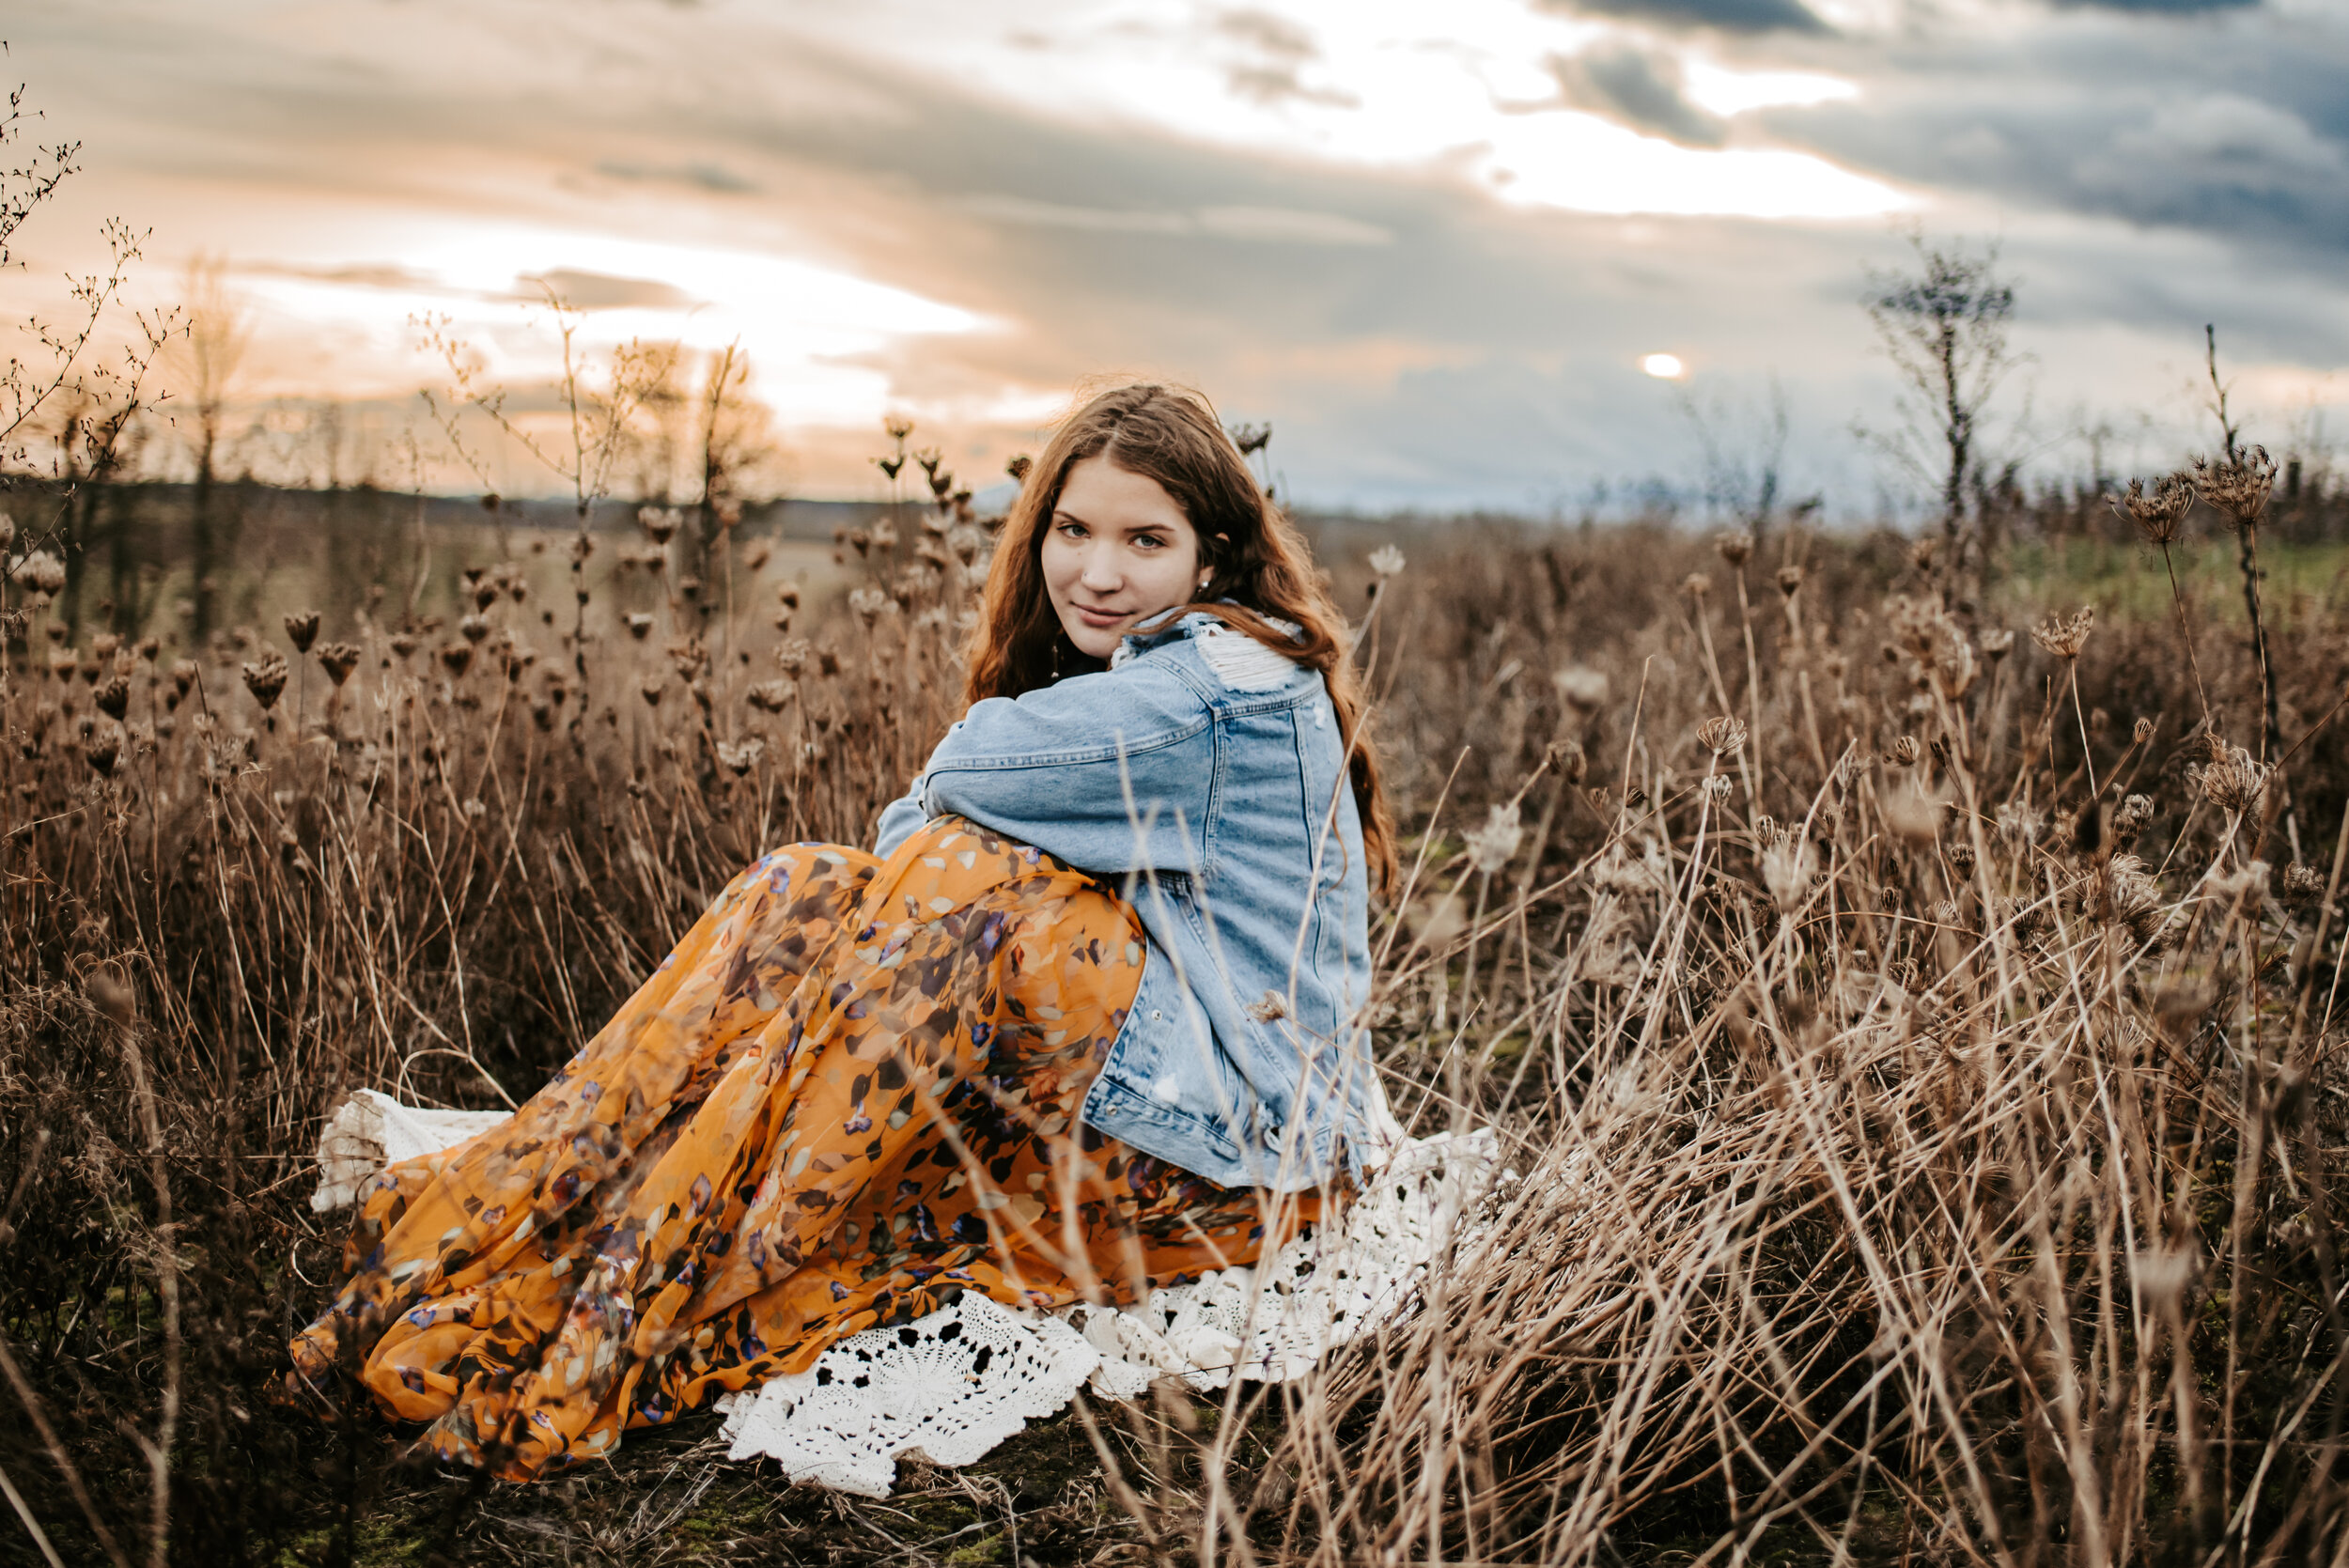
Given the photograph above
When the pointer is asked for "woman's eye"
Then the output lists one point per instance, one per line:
(1148, 541)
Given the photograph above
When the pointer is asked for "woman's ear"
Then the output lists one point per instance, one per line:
(1222, 544)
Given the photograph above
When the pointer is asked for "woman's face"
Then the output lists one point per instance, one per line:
(1116, 552)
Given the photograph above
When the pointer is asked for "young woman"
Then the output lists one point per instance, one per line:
(1084, 1024)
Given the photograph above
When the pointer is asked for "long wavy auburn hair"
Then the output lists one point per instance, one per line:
(1256, 557)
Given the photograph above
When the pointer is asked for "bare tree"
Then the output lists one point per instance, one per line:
(1744, 452)
(601, 419)
(738, 446)
(218, 332)
(1943, 324)
(67, 391)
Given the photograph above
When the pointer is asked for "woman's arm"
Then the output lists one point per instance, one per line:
(1109, 773)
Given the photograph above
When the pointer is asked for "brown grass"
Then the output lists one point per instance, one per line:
(1920, 1153)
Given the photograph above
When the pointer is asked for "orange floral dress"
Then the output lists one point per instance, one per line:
(849, 1095)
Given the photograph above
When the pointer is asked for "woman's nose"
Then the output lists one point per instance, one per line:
(1101, 572)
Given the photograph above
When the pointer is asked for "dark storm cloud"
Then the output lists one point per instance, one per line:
(705, 177)
(581, 291)
(363, 274)
(1729, 16)
(2155, 7)
(1411, 338)
(1640, 87)
(1274, 52)
(2232, 126)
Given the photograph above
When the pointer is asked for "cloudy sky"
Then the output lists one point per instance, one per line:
(1434, 245)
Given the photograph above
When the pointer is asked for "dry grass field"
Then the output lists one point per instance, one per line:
(1914, 1021)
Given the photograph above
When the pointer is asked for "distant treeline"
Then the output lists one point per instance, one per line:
(187, 560)
(190, 559)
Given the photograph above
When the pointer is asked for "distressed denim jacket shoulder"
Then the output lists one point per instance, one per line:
(1206, 770)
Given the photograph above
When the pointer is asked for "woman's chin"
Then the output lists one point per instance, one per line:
(1094, 642)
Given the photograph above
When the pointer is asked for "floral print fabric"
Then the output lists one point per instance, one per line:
(849, 1094)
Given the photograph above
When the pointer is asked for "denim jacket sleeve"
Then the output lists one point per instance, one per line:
(899, 818)
(1109, 773)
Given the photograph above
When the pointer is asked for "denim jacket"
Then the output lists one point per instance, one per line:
(1206, 770)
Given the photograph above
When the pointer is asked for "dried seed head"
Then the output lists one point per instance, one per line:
(738, 759)
(106, 746)
(183, 674)
(1717, 788)
(1960, 857)
(1723, 735)
(1786, 872)
(149, 647)
(339, 659)
(455, 656)
(1568, 760)
(2065, 638)
(791, 654)
(650, 687)
(1272, 1009)
(1911, 814)
(2162, 1276)
(1492, 847)
(660, 523)
(2142, 731)
(2122, 894)
(1386, 561)
(2128, 823)
(1018, 466)
(2239, 489)
(757, 554)
(113, 698)
(1696, 585)
(265, 677)
(1789, 579)
(1997, 645)
(2235, 784)
(301, 629)
(1735, 548)
(2160, 513)
(1583, 687)
(639, 626)
(769, 696)
(403, 643)
(39, 571)
(2246, 888)
(1903, 752)
(2303, 886)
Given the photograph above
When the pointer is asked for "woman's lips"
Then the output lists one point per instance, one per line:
(1102, 618)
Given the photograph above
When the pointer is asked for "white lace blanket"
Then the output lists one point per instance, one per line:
(952, 1384)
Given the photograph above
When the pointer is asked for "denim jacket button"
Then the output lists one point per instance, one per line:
(1156, 1014)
